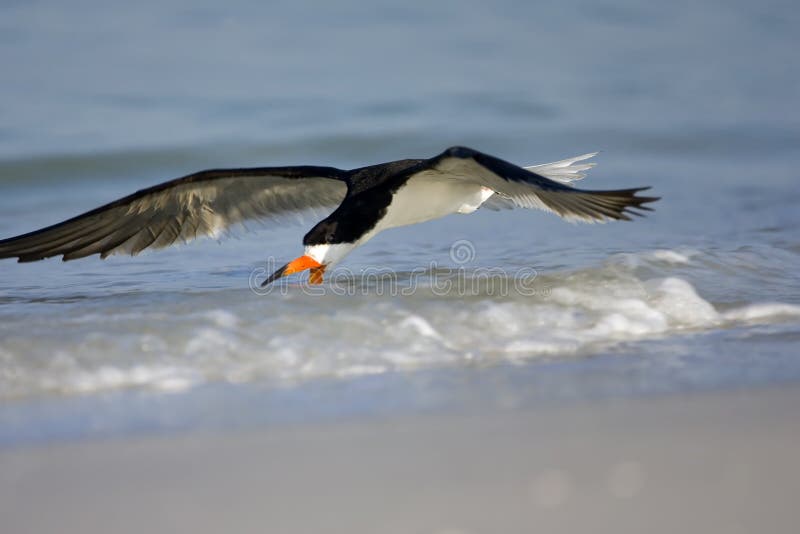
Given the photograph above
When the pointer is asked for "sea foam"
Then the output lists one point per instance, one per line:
(230, 337)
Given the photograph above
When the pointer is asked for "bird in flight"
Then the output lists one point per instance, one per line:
(362, 202)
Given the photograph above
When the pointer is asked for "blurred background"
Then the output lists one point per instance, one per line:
(699, 300)
(350, 80)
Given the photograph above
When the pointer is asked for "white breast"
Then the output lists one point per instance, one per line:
(424, 199)
(421, 199)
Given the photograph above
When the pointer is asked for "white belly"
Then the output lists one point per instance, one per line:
(423, 200)
(420, 200)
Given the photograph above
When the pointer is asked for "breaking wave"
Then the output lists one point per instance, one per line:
(290, 335)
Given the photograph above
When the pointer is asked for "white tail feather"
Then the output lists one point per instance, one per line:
(565, 171)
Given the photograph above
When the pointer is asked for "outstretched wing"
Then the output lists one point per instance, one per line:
(202, 204)
(518, 187)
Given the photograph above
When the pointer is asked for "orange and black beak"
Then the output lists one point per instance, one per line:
(297, 265)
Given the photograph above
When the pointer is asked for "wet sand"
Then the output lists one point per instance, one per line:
(711, 462)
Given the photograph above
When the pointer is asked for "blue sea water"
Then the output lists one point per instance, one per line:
(697, 99)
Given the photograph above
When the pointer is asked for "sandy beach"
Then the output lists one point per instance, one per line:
(710, 462)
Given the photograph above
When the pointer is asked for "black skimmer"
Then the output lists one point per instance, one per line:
(364, 201)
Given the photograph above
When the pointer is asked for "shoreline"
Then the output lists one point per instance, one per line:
(703, 462)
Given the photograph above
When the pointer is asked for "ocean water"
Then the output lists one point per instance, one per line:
(497, 309)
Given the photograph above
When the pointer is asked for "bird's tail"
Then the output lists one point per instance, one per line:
(565, 171)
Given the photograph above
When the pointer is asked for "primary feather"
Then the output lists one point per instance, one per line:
(201, 204)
